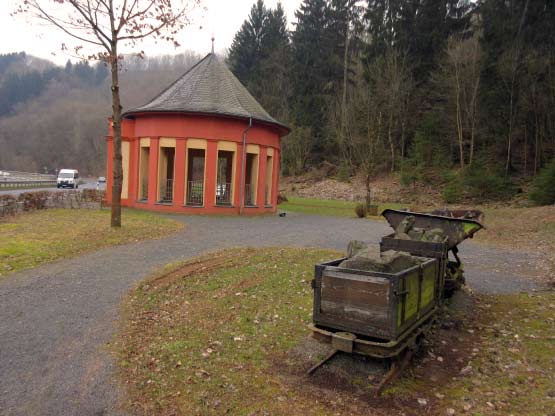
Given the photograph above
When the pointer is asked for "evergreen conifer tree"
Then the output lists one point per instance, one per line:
(246, 50)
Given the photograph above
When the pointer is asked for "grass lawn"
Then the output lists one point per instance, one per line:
(327, 207)
(215, 335)
(513, 369)
(528, 229)
(43, 236)
(201, 340)
(518, 227)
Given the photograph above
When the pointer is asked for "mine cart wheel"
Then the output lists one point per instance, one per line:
(454, 278)
(397, 366)
(320, 363)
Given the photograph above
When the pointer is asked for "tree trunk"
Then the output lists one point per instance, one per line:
(472, 139)
(368, 191)
(344, 98)
(402, 139)
(536, 148)
(458, 116)
(510, 135)
(513, 80)
(391, 144)
(116, 131)
(473, 116)
(525, 149)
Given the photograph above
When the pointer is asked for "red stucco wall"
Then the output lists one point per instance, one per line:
(183, 127)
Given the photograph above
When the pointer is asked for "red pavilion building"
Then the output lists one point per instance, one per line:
(203, 145)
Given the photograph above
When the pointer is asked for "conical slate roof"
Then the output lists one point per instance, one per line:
(209, 87)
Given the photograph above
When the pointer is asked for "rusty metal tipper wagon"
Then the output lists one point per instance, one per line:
(383, 313)
(456, 226)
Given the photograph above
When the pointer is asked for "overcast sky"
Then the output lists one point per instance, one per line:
(222, 18)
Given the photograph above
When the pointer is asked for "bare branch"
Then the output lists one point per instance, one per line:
(156, 29)
(96, 28)
(59, 23)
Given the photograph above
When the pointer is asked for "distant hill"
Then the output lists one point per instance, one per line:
(20, 62)
(53, 117)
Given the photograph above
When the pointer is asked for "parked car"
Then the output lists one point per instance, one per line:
(101, 179)
(68, 178)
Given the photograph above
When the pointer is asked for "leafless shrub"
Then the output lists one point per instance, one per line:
(361, 210)
(32, 201)
(281, 198)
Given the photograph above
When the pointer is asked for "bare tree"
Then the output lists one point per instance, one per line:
(458, 78)
(391, 84)
(105, 26)
(365, 138)
(296, 149)
(509, 68)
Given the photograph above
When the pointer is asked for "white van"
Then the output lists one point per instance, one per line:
(68, 178)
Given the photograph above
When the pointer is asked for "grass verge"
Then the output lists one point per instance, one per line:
(519, 227)
(511, 370)
(43, 236)
(528, 229)
(217, 335)
(200, 339)
(327, 207)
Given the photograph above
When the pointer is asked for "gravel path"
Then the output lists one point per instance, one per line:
(57, 320)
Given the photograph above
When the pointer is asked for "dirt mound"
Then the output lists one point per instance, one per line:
(316, 184)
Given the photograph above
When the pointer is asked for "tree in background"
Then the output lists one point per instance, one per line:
(325, 47)
(515, 35)
(274, 88)
(311, 86)
(345, 30)
(245, 53)
(358, 83)
(458, 82)
(417, 28)
(390, 81)
(106, 26)
(259, 57)
(296, 150)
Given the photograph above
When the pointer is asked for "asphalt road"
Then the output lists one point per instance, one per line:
(90, 183)
(57, 320)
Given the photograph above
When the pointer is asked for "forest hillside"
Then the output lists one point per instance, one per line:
(55, 117)
(449, 92)
(457, 95)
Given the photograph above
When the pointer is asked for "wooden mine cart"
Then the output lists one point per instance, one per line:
(382, 315)
(377, 314)
(376, 306)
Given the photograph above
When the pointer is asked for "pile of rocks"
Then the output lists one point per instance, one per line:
(407, 231)
(361, 256)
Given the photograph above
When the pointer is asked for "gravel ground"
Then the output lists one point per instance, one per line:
(57, 320)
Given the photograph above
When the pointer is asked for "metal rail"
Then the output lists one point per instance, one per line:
(168, 192)
(223, 193)
(26, 184)
(195, 193)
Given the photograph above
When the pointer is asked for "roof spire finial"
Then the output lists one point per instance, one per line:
(212, 39)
